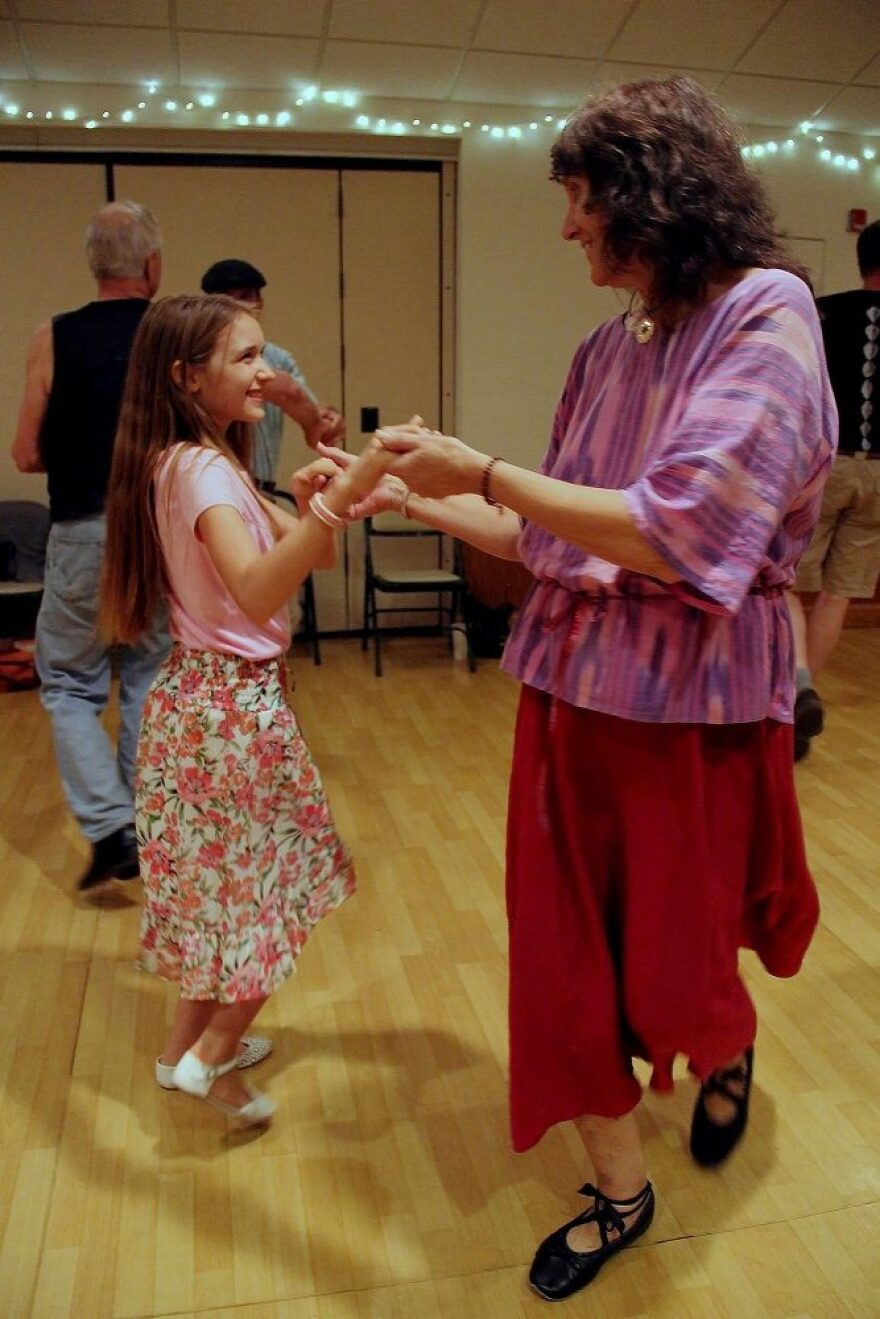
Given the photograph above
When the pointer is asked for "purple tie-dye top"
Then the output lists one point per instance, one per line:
(720, 434)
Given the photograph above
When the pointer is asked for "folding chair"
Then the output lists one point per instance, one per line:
(24, 531)
(389, 532)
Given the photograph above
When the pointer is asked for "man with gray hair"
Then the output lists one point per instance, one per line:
(67, 420)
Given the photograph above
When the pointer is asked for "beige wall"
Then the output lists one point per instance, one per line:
(43, 255)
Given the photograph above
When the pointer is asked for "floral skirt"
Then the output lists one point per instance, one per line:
(238, 851)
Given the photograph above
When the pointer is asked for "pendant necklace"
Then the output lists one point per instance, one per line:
(638, 321)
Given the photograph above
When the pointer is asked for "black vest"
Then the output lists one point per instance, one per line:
(91, 348)
(851, 331)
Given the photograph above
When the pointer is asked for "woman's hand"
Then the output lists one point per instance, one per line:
(432, 464)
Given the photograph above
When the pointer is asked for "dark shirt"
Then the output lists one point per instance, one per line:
(851, 331)
(91, 348)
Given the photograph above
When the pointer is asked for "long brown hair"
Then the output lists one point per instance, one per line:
(666, 172)
(157, 411)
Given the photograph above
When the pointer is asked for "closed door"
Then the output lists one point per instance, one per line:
(392, 318)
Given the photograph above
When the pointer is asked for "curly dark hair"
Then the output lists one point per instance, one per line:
(665, 168)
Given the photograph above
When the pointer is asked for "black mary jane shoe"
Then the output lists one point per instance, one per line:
(558, 1271)
(712, 1142)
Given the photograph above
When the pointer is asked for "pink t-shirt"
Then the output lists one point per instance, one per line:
(189, 480)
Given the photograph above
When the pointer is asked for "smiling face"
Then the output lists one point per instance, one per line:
(587, 227)
(230, 384)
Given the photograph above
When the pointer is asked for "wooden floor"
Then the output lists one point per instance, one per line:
(386, 1188)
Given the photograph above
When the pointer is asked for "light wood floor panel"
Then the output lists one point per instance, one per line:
(386, 1188)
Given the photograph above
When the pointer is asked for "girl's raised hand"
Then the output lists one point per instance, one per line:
(366, 471)
(314, 476)
(386, 496)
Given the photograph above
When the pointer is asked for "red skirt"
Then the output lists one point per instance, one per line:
(640, 858)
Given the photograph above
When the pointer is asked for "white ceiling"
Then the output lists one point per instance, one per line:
(773, 62)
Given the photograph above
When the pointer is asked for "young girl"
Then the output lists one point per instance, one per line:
(238, 850)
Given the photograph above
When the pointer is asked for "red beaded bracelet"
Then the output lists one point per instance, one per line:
(487, 475)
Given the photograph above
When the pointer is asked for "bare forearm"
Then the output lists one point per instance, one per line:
(262, 583)
(598, 521)
(26, 452)
(271, 579)
(282, 522)
(470, 518)
(287, 394)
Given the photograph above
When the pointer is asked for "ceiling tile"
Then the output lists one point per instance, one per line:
(855, 110)
(871, 75)
(778, 101)
(11, 63)
(222, 59)
(707, 34)
(566, 27)
(432, 24)
(526, 80)
(377, 69)
(614, 71)
(278, 17)
(60, 53)
(133, 13)
(816, 39)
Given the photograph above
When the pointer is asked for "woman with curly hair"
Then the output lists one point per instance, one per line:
(653, 826)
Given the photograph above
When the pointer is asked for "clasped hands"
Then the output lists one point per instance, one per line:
(398, 460)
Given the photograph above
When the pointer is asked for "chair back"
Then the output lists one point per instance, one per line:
(24, 533)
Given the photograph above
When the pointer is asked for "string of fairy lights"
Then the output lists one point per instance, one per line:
(203, 109)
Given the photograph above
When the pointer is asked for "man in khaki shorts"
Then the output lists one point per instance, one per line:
(842, 561)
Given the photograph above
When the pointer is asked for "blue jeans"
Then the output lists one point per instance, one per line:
(74, 666)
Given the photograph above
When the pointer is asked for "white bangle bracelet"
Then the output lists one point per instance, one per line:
(324, 513)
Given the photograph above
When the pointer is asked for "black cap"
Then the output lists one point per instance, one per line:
(231, 274)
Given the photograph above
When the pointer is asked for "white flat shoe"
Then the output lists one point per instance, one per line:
(196, 1078)
(256, 1048)
(257, 1112)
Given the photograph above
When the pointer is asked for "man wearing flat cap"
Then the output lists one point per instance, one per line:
(288, 392)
